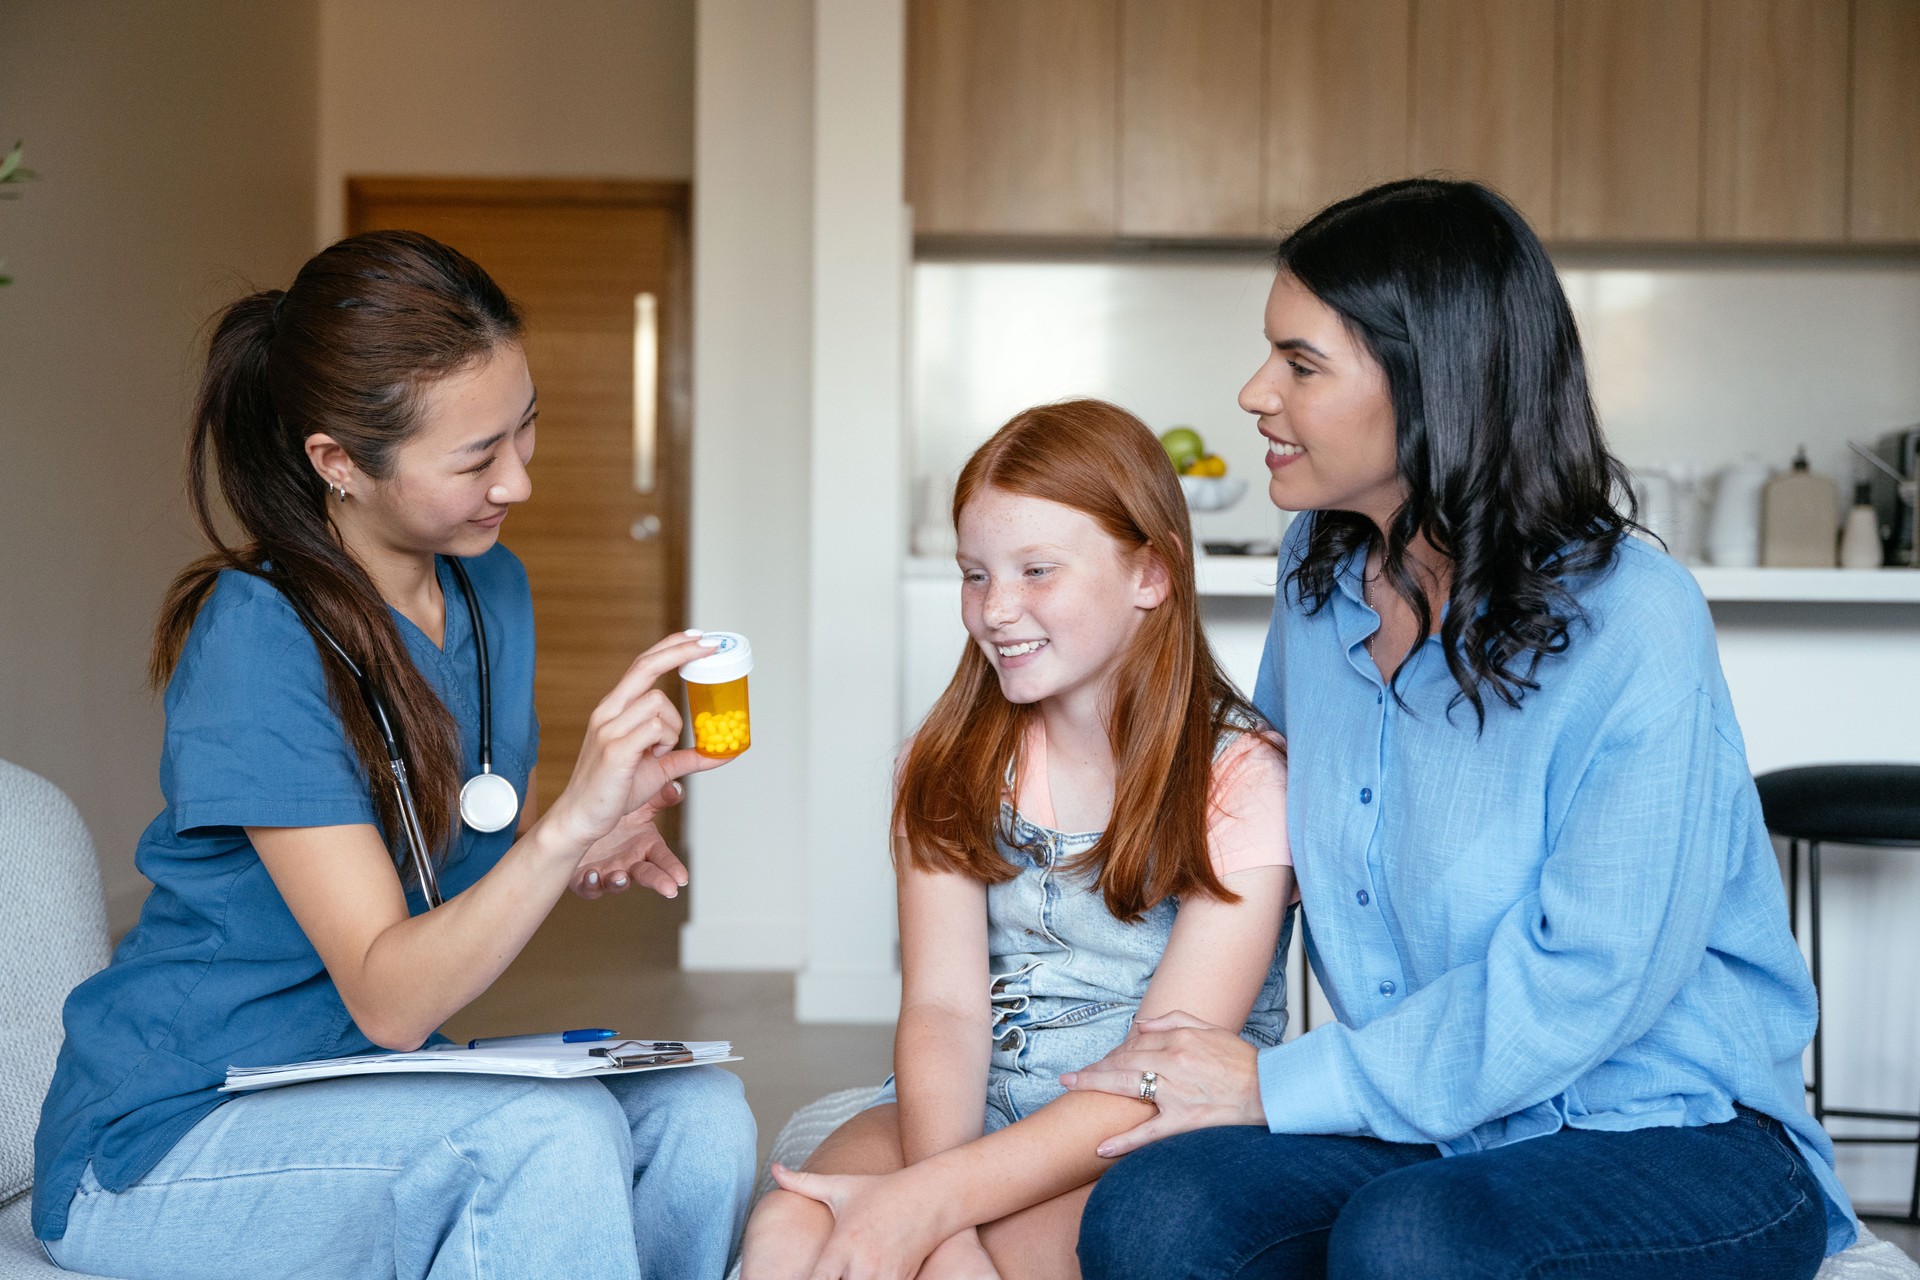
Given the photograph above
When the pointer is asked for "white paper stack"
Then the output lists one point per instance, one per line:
(552, 1062)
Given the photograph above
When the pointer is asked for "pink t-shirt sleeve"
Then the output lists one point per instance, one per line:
(1249, 823)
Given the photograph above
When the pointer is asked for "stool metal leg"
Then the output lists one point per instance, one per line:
(1819, 1026)
(1793, 886)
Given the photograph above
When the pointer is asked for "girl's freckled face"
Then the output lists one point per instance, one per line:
(1046, 593)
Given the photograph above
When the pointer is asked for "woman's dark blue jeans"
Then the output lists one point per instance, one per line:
(1729, 1200)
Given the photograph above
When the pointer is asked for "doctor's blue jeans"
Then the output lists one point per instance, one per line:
(419, 1177)
(1729, 1201)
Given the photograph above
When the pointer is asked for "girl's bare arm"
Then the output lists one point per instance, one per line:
(942, 1043)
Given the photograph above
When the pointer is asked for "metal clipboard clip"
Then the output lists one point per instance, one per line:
(643, 1053)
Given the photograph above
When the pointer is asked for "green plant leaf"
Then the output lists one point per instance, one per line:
(10, 163)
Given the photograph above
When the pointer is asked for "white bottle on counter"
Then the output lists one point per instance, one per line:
(1733, 531)
(1797, 529)
(1860, 546)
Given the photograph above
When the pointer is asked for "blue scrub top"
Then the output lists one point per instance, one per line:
(217, 972)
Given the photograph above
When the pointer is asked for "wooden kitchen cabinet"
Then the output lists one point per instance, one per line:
(1775, 150)
(1628, 157)
(1784, 122)
(1191, 74)
(1884, 194)
(1483, 97)
(1012, 116)
(1337, 93)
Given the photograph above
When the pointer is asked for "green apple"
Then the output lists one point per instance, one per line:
(1184, 446)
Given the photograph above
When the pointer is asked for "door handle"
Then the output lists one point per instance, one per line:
(645, 529)
(646, 390)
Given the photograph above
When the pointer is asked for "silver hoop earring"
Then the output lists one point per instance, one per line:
(338, 490)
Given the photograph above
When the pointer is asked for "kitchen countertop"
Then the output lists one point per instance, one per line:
(1253, 577)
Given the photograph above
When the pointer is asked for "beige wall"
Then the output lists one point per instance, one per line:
(176, 144)
(507, 88)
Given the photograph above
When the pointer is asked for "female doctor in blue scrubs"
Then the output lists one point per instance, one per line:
(369, 429)
(1537, 887)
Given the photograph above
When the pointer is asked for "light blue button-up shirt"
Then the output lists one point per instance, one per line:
(1573, 916)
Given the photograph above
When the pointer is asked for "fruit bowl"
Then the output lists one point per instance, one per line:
(1212, 493)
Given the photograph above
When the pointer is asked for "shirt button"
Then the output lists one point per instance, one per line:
(1366, 795)
(1387, 988)
(1363, 897)
(1379, 699)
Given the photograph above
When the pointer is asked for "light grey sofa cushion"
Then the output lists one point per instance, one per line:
(53, 933)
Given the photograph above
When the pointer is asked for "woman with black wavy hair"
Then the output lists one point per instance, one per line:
(1538, 890)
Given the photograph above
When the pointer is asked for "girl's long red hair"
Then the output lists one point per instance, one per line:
(1171, 701)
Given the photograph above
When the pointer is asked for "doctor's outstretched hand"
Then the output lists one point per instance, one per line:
(1205, 1077)
(628, 770)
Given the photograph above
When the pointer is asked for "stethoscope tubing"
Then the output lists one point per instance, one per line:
(413, 832)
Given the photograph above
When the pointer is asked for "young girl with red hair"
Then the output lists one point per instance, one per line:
(1089, 827)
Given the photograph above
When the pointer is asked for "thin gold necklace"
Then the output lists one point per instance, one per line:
(1366, 597)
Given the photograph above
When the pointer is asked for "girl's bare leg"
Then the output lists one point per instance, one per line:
(1038, 1243)
(788, 1231)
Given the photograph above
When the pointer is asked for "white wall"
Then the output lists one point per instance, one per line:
(798, 525)
(861, 251)
(176, 148)
(502, 88)
(1704, 359)
(752, 392)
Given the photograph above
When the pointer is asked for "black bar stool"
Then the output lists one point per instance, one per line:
(1864, 804)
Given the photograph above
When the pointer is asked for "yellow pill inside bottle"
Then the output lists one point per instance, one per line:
(717, 696)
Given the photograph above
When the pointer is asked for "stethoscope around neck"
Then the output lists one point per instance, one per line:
(488, 802)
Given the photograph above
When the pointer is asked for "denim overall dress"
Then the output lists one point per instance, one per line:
(1068, 976)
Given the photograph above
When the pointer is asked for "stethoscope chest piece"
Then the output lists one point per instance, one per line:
(488, 802)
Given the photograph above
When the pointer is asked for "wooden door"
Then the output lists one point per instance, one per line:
(1630, 119)
(1483, 97)
(1776, 120)
(1012, 116)
(1884, 204)
(606, 561)
(1336, 101)
(1191, 74)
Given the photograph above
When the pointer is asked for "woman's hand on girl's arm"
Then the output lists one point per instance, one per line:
(401, 976)
(1206, 1076)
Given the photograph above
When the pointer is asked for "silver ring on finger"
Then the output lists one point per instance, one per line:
(1149, 1085)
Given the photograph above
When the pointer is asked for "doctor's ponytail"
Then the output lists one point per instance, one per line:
(367, 325)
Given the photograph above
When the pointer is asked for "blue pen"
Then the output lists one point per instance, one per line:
(585, 1035)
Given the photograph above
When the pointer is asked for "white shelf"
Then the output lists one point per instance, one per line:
(1253, 577)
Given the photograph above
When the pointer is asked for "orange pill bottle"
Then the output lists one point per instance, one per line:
(717, 697)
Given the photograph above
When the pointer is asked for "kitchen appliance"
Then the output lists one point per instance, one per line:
(1893, 491)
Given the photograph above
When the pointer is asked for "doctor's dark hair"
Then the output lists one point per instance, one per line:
(366, 327)
(1497, 442)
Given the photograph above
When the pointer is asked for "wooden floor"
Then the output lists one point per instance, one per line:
(613, 963)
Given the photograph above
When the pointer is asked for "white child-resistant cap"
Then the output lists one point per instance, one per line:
(730, 659)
